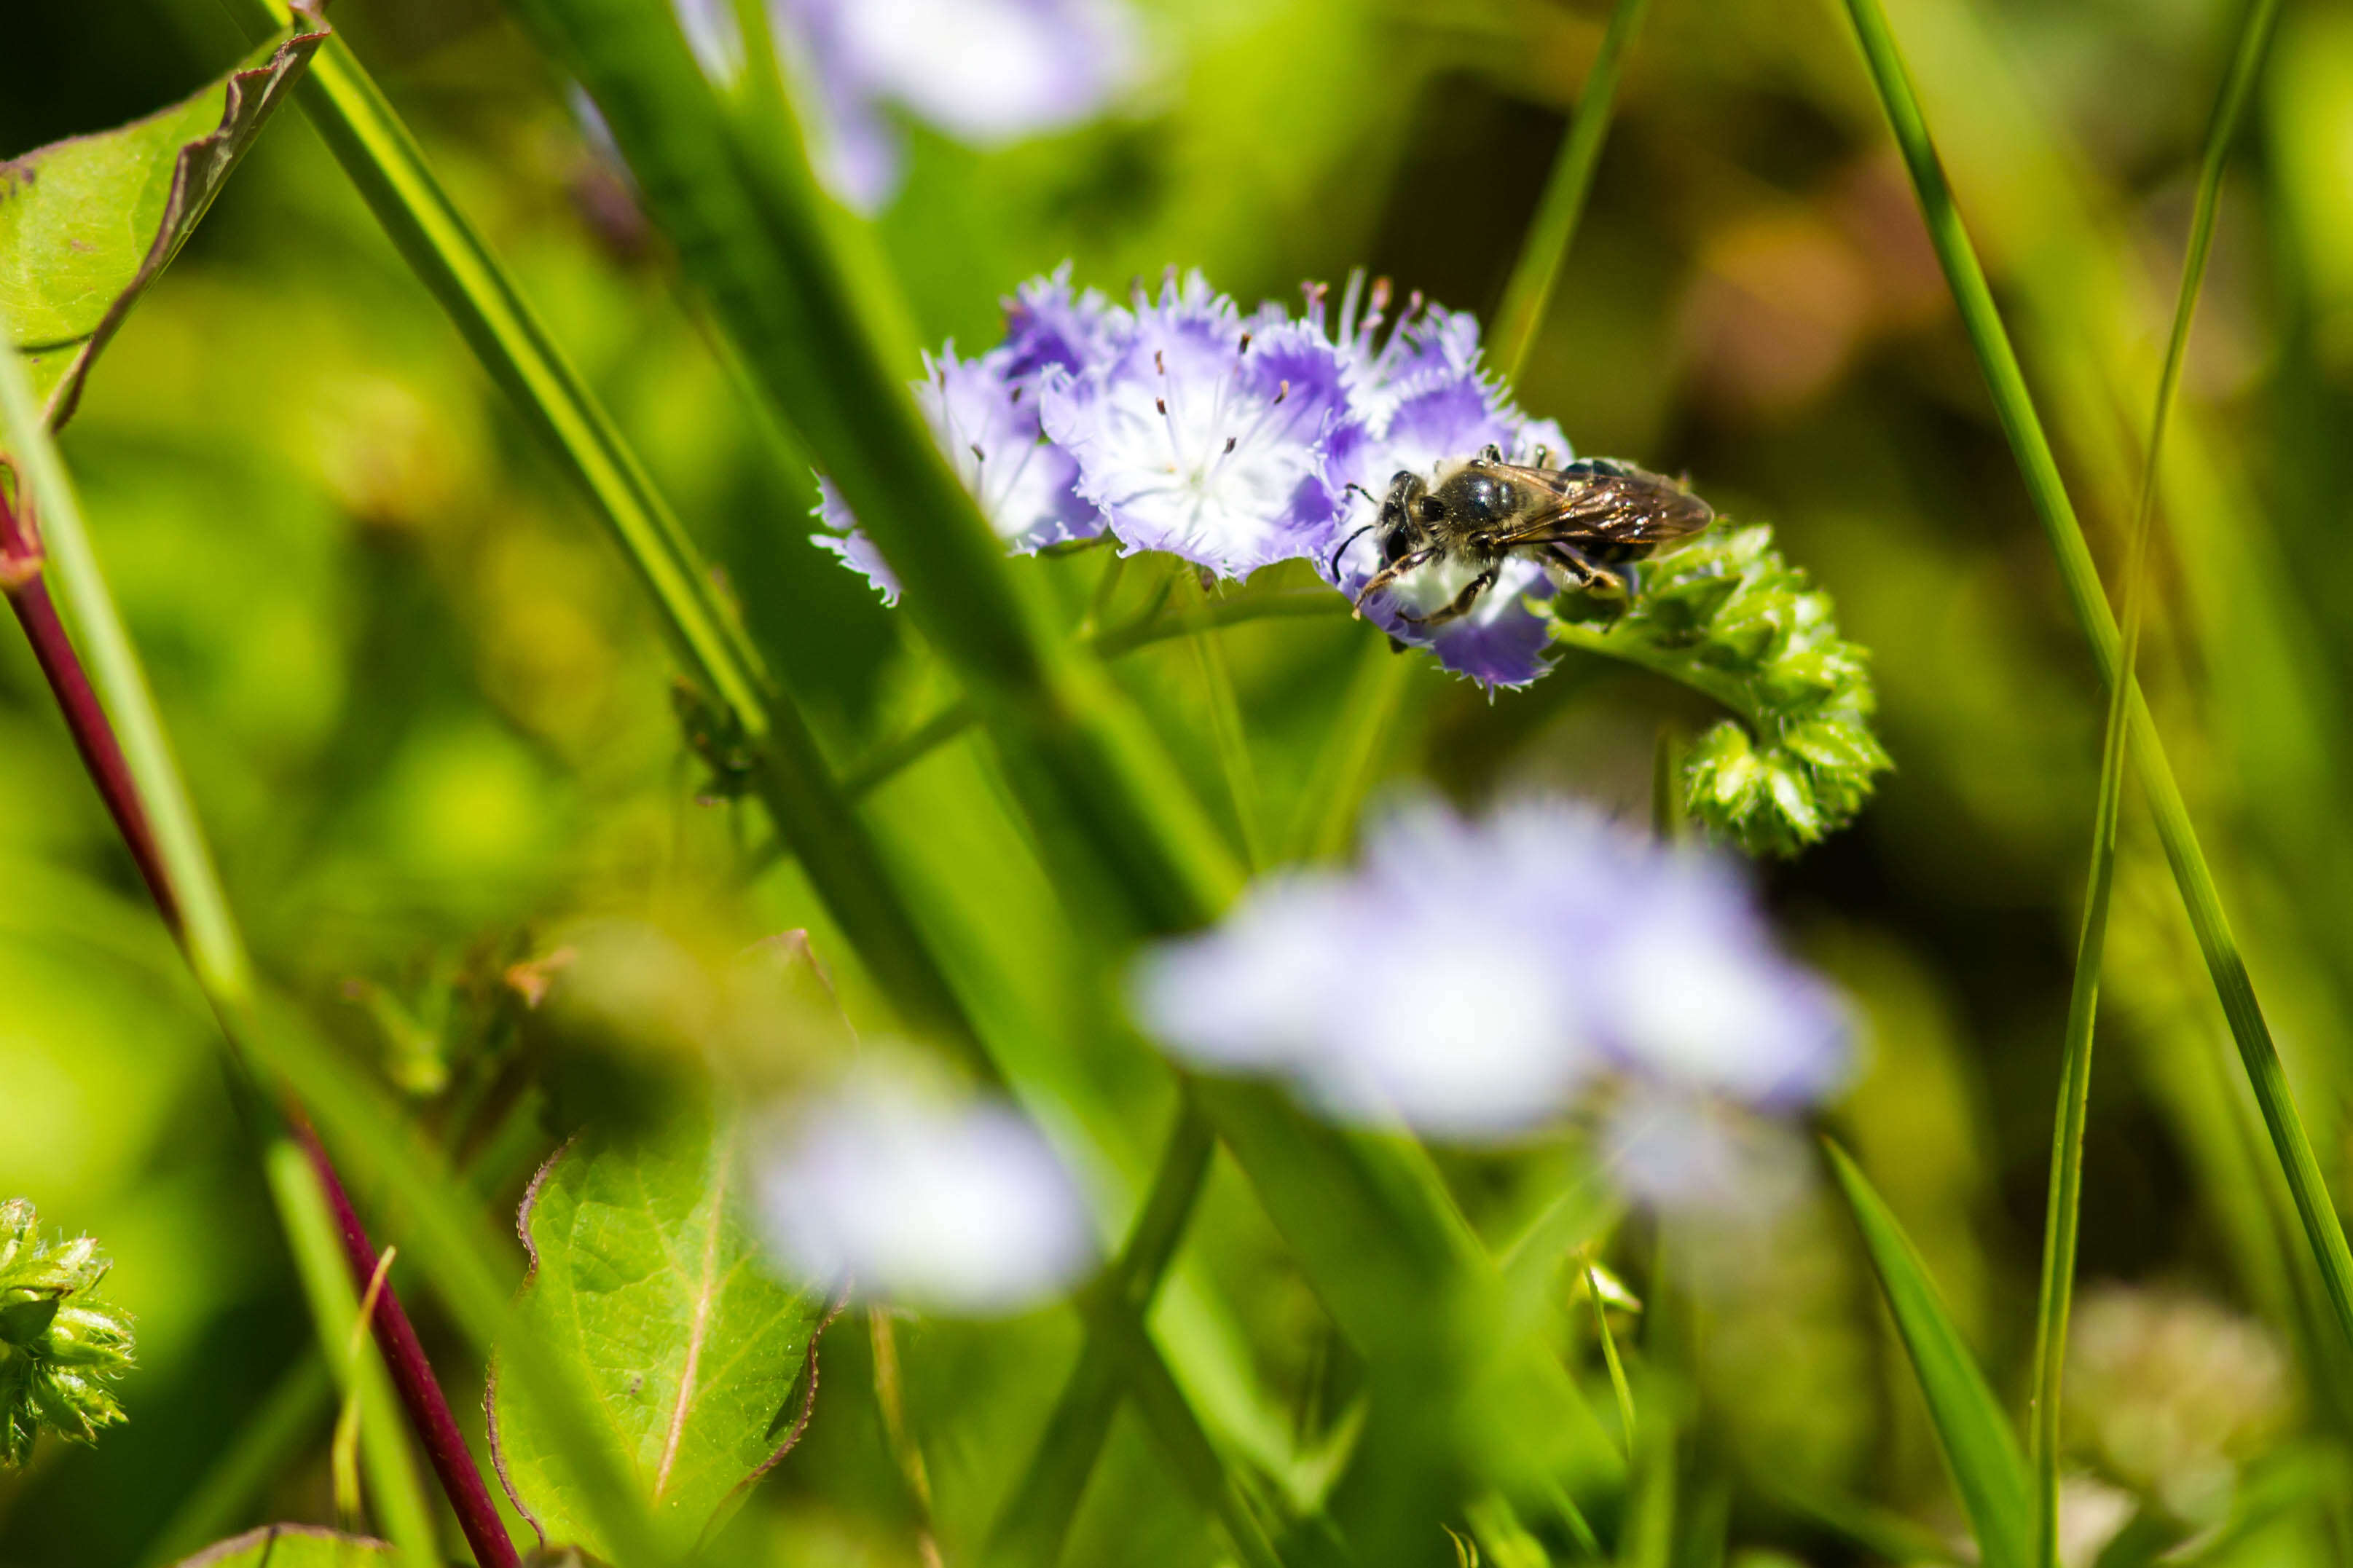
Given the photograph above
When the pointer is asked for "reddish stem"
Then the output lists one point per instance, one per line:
(412, 1375)
(21, 562)
(93, 737)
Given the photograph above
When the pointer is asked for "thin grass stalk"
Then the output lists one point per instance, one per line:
(1619, 1386)
(808, 804)
(810, 809)
(121, 743)
(2014, 406)
(397, 1502)
(1533, 276)
(216, 953)
(1035, 1520)
(1226, 729)
(2062, 1224)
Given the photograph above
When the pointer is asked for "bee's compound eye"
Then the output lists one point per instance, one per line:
(1430, 508)
(1396, 545)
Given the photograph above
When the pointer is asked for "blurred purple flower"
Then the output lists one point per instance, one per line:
(986, 72)
(1476, 979)
(1201, 433)
(895, 1196)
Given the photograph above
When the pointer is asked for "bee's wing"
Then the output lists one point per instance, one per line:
(1596, 507)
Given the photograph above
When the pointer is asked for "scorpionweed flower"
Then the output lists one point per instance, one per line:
(1202, 434)
(896, 1194)
(1421, 401)
(986, 73)
(1179, 424)
(984, 413)
(1479, 979)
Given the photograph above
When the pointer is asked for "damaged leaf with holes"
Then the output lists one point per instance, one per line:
(645, 1275)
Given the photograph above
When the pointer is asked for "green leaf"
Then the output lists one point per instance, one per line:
(289, 1546)
(88, 223)
(1979, 1449)
(700, 1366)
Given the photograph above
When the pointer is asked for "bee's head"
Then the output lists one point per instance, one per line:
(1404, 525)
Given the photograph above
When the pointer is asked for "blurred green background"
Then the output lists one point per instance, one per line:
(427, 717)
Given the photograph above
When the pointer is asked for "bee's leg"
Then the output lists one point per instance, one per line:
(1390, 573)
(1570, 567)
(1490, 453)
(1459, 606)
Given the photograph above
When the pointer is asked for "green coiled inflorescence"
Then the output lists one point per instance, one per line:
(1728, 616)
(60, 1350)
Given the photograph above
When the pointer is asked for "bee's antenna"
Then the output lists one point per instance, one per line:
(1353, 485)
(1343, 549)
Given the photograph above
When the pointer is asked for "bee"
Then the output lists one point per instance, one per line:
(1579, 522)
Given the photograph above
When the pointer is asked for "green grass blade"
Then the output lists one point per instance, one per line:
(811, 810)
(394, 1498)
(459, 1255)
(2324, 1233)
(795, 285)
(2061, 1225)
(1618, 1384)
(1987, 1469)
(1529, 289)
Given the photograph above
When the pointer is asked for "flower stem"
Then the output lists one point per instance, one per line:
(2039, 467)
(174, 864)
(1530, 287)
(22, 575)
(2063, 1221)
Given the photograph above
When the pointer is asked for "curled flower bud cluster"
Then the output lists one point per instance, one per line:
(1484, 979)
(60, 1350)
(1180, 422)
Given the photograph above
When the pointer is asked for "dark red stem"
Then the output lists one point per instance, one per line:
(92, 736)
(21, 565)
(412, 1376)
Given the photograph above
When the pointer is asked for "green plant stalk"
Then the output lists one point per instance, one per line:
(1226, 729)
(216, 953)
(809, 808)
(812, 308)
(1618, 1384)
(312, 1234)
(2324, 1233)
(1980, 1452)
(1035, 1520)
(1534, 275)
(2062, 1224)
(811, 812)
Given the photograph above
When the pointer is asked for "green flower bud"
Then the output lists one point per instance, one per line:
(60, 1349)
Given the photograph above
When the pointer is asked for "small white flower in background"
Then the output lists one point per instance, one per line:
(1479, 979)
(956, 1206)
(986, 73)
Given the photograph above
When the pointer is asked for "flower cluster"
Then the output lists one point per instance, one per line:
(1729, 616)
(1481, 979)
(1234, 440)
(60, 1350)
(986, 72)
(888, 1191)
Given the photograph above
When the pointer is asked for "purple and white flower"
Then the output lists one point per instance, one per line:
(1178, 424)
(1422, 402)
(986, 73)
(984, 413)
(1481, 979)
(893, 1195)
(1201, 432)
